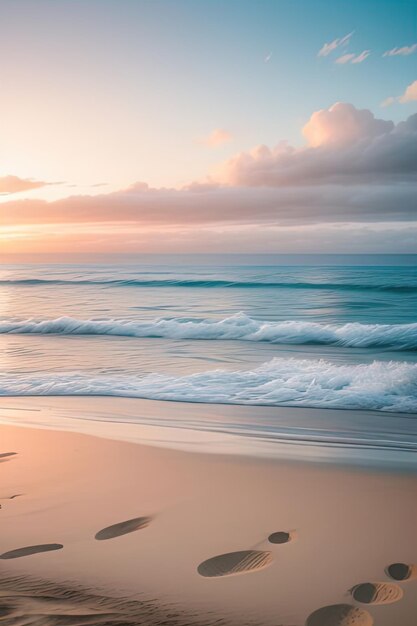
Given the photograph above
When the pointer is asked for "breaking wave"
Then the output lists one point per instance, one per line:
(237, 327)
(381, 386)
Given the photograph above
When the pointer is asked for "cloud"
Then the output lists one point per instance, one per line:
(388, 101)
(14, 184)
(404, 51)
(409, 95)
(362, 56)
(342, 123)
(352, 187)
(349, 57)
(333, 45)
(142, 208)
(353, 57)
(345, 146)
(268, 57)
(345, 58)
(217, 138)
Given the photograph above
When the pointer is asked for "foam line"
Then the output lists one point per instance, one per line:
(381, 385)
(236, 327)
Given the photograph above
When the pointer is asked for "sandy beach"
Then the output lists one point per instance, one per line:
(98, 531)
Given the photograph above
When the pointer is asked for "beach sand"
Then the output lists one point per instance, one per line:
(105, 532)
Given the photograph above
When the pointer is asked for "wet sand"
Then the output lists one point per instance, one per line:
(98, 531)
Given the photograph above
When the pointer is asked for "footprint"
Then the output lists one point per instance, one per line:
(4, 456)
(377, 593)
(281, 537)
(401, 571)
(123, 528)
(235, 563)
(339, 615)
(28, 550)
(16, 495)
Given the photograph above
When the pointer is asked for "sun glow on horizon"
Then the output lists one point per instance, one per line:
(118, 134)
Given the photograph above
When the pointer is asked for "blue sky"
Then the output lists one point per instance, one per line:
(117, 91)
(167, 72)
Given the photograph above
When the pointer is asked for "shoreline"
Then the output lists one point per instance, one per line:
(335, 436)
(345, 527)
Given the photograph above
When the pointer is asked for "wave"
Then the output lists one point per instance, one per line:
(219, 283)
(380, 386)
(237, 327)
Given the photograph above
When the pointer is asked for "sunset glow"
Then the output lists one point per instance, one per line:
(208, 298)
(304, 136)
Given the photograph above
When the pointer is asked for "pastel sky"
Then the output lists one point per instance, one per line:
(208, 126)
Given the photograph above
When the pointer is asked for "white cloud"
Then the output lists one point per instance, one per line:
(353, 57)
(404, 51)
(333, 45)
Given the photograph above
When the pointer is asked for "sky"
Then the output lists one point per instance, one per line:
(208, 126)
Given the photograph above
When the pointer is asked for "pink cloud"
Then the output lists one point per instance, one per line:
(354, 169)
(353, 57)
(333, 45)
(404, 51)
(217, 138)
(410, 94)
(388, 101)
(362, 56)
(345, 58)
(345, 146)
(342, 123)
(14, 184)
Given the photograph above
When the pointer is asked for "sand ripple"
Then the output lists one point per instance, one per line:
(340, 615)
(27, 601)
(377, 593)
(235, 563)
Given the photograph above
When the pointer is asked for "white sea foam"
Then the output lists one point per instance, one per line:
(238, 327)
(381, 385)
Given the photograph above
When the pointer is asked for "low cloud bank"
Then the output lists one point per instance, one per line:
(355, 174)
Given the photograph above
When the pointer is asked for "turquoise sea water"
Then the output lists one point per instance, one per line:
(317, 335)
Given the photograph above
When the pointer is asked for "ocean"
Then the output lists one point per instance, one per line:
(276, 332)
